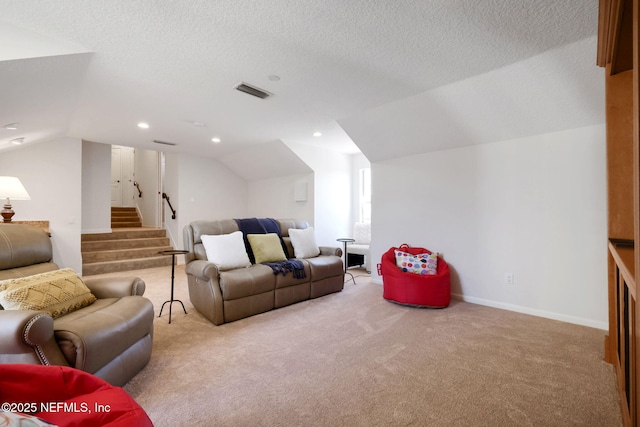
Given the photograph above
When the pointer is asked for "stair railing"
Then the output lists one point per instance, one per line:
(173, 212)
(135, 183)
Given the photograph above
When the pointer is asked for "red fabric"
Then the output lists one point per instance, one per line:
(70, 397)
(415, 289)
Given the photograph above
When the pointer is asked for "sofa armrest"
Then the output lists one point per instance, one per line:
(204, 270)
(205, 294)
(26, 336)
(115, 287)
(330, 250)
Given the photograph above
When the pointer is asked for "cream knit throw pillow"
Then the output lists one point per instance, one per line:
(57, 292)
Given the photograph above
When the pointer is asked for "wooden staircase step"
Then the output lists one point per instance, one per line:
(128, 218)
(120, 217)
(131, 211)
(126, 224)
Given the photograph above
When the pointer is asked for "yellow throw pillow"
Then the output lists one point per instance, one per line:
(57, 292)
(266, 247)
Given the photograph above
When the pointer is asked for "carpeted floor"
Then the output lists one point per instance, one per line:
(354, 359)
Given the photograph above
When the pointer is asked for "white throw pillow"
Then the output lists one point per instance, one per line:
(304, 242)
(227, 251)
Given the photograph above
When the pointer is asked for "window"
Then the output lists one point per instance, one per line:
(365, 195)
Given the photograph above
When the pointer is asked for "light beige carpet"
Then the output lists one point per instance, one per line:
(354, 359)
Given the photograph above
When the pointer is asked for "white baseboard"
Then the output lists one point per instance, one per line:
(525, 310)
(534, 312)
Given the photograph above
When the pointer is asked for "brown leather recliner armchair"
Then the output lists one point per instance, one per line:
(110, 338)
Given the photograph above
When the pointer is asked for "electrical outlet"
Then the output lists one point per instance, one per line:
(508, 278)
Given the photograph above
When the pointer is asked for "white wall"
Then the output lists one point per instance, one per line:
(332, 191)
(171, 186)
(534, 207)
(274, 198)
(96, 188)
(200, 189)
(51, 172)
(358, 161)
(148, 178)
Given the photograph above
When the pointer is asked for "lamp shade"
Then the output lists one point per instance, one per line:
(12, 188)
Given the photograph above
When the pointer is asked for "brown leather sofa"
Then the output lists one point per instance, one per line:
(110, 338)
(226, 296)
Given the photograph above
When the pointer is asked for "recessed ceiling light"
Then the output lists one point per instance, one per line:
(316, 134)
(143, 125)
(12, 126)
(216, 140)
(17, 141)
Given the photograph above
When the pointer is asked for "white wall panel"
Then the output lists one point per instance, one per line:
(534, 207)
(51, 173)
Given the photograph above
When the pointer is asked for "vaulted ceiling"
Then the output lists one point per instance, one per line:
(368, 74)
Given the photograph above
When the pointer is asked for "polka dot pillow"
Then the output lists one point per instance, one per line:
(418, 264)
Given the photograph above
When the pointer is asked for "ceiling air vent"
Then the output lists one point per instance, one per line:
(164, 142)
(252, 90)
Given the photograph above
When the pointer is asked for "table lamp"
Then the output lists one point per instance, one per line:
(11, 188)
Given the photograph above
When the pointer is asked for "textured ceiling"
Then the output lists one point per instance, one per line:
(93, 69)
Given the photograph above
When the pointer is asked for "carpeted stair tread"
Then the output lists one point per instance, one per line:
(125, 265)
(120, 254)
(106, 245)
(125, 234)
(124, 217)
(124, 250)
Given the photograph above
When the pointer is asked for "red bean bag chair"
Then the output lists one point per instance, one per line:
(415, 289)
(67, 397)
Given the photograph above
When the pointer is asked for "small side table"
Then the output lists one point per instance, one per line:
(173, 253)
(344, 241)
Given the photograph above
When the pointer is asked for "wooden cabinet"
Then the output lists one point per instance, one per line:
(618, 47)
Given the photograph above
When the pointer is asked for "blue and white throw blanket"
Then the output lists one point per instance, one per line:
(269, 225)
(292, 265)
